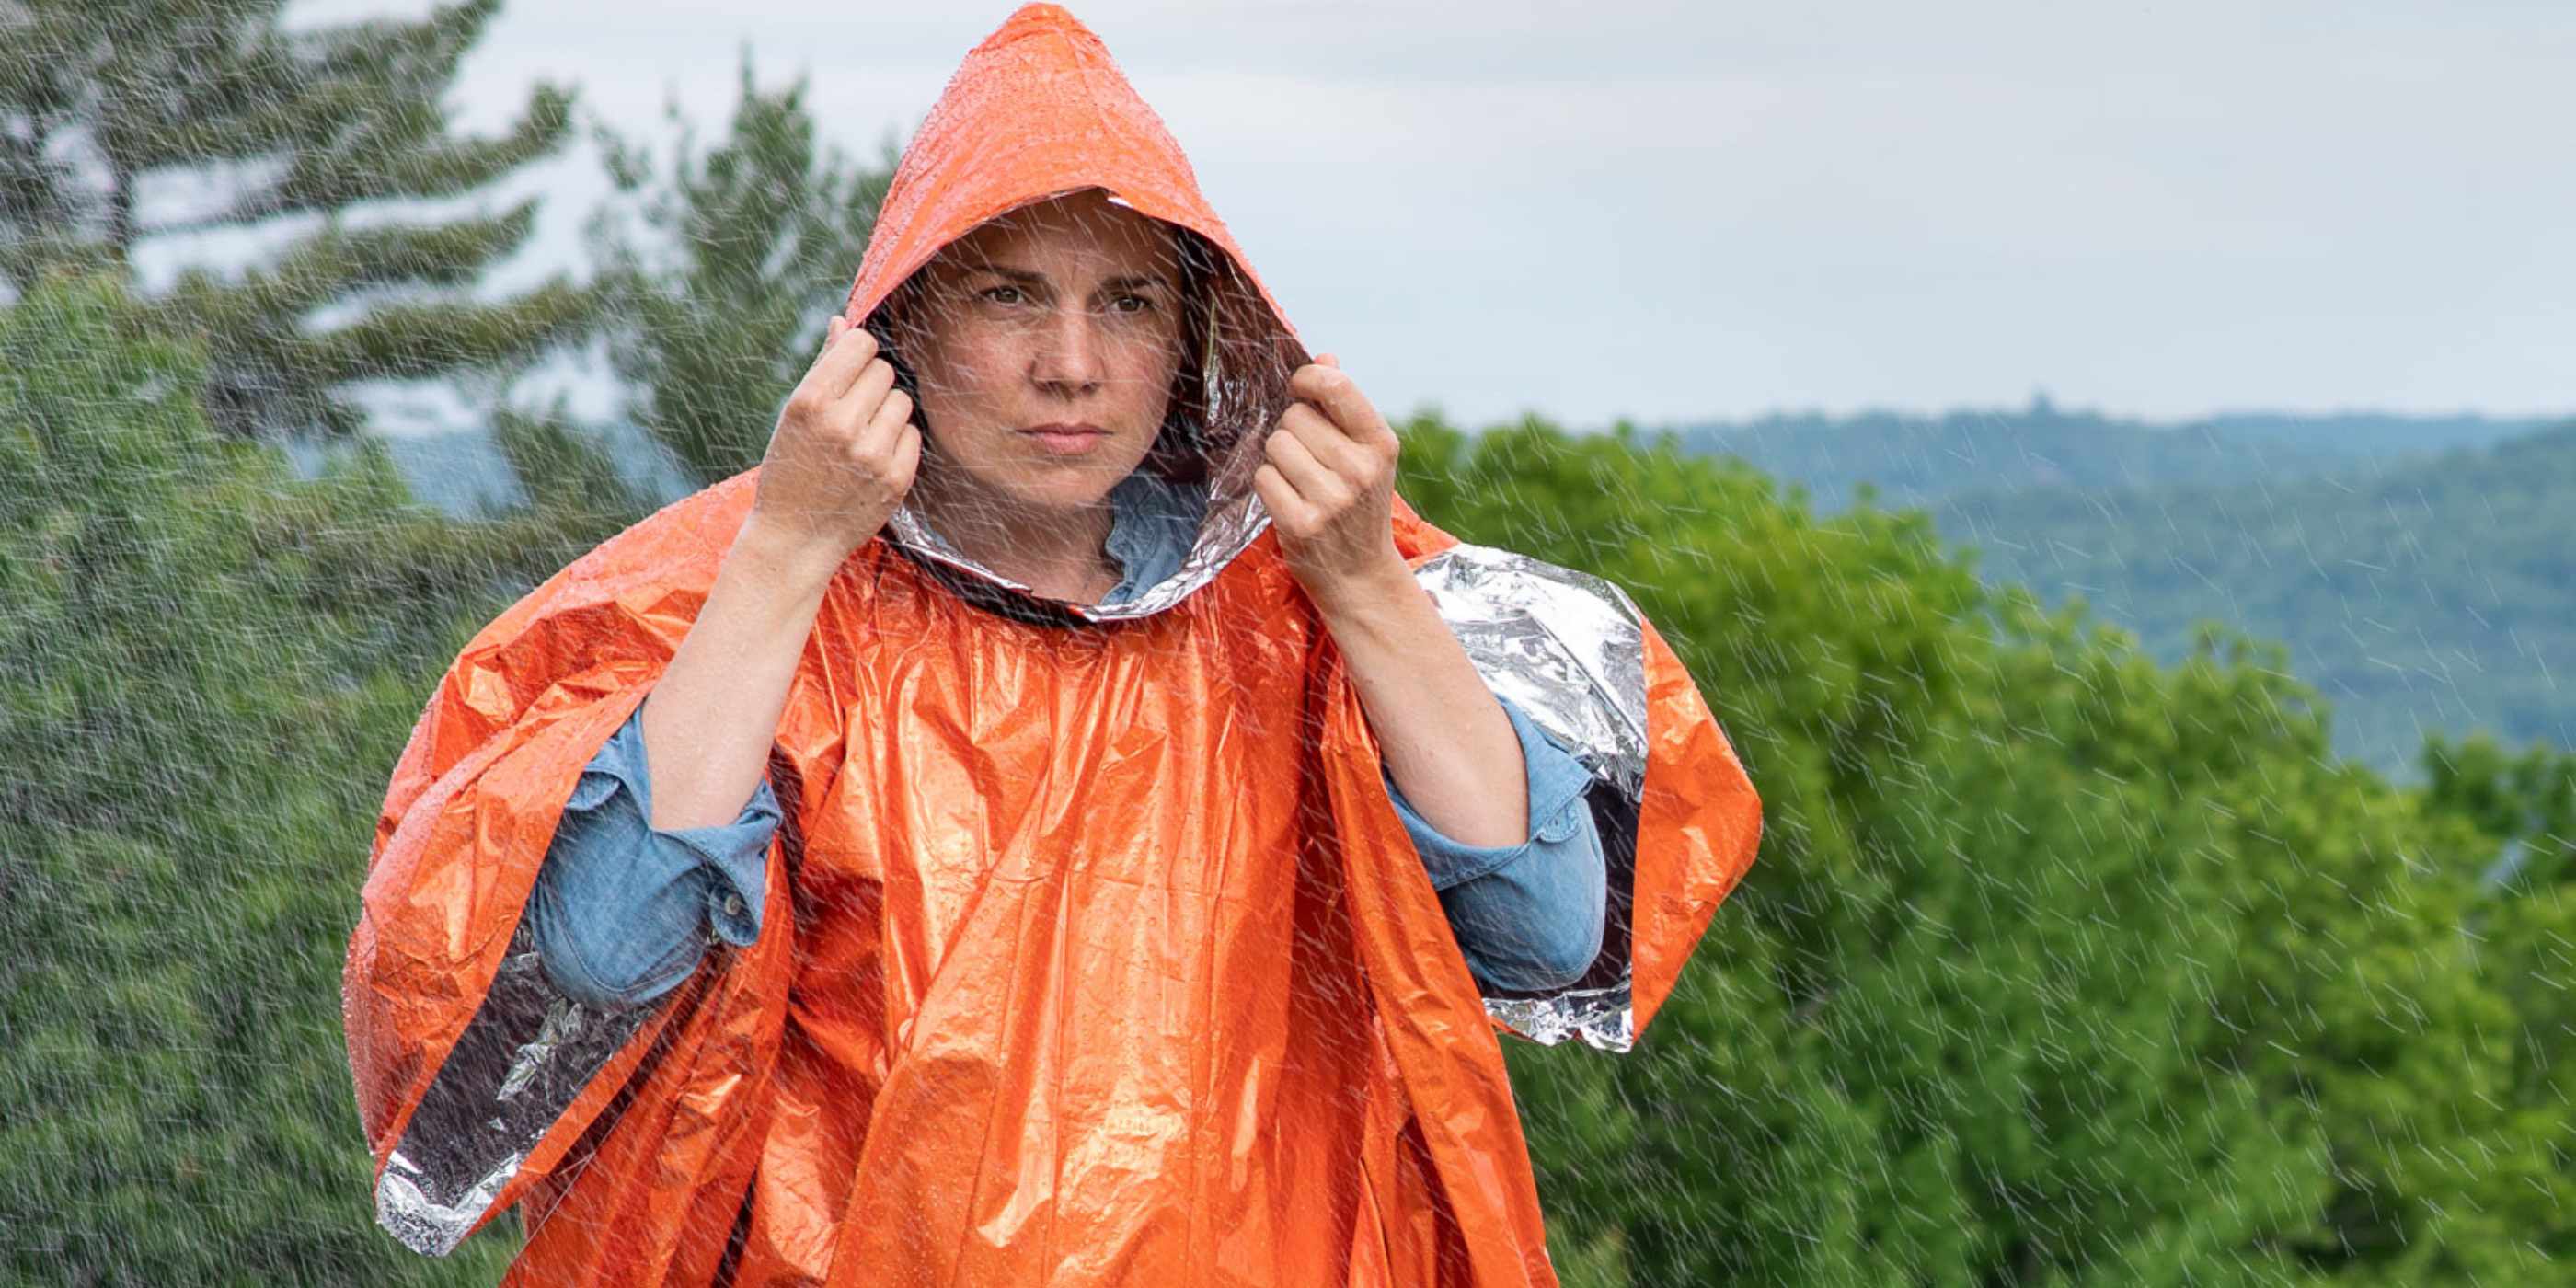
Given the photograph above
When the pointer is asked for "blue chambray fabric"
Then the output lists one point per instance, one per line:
(622, 912)
(1527, 917)
(1152, 524)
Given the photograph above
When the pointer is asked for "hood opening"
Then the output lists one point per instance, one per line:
(1231, 386)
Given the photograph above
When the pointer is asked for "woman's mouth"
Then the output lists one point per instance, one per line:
(1067, 439)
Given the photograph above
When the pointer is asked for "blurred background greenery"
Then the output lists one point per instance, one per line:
(2166, 827)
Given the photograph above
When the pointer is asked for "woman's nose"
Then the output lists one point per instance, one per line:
(1068, 353)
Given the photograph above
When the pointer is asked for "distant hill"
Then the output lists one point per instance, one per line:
(1918, 460)
(2374, 434)
(2418, 593)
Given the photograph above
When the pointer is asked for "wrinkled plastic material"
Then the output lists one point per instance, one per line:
(1094, 951)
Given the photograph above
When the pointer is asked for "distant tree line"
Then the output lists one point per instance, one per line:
(1905, 458)
(2431, 595)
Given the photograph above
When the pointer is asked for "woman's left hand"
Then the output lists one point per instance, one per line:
(1329, 485)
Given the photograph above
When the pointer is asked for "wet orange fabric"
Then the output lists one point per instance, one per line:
(1092, 955)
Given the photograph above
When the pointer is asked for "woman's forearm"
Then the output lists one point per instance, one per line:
(1446, 740)
(709, 722)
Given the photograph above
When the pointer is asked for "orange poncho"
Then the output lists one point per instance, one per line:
(1094, 951)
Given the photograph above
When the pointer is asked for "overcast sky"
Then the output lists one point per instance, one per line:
(1680, 210)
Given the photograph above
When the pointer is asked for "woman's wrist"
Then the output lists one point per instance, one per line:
(783, 558)
(1354, 598)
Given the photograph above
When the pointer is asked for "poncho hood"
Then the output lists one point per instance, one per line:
(1038, 111)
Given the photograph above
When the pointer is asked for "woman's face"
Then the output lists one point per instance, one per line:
(1045, 346)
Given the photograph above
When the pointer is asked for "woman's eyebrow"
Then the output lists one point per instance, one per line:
(1028, 277)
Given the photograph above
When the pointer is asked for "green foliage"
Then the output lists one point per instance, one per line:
(2058, 966)
(196, 742)
(2522, 808)
(2525, 804)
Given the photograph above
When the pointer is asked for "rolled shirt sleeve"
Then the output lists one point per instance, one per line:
(1528, 917)
(622, 911)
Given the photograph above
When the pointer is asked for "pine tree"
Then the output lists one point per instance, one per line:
(746, 252)
(100, 97)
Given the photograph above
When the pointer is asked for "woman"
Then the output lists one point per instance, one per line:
(1091, 944)
(1068, 309)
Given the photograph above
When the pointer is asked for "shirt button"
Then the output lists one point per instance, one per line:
(1561, 826)
(733, 905)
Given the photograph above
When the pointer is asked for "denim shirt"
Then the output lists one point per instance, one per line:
(623, 911)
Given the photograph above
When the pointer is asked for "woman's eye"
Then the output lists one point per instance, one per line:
(1140, 301)
(991, 293)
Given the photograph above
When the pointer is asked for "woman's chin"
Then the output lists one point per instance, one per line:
(1066, 485)
(1067, 496)
(1058, 491)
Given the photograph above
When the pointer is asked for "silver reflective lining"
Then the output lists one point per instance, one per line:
(1569, 649)
(1599, 1016)
(1566, 646)
(528, 1052)
(1232, 524)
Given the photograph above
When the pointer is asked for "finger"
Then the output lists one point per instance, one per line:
(843, 361)
(884, 430)
(1286, 508)
(1326, 442)
(1315, 481)
(907, 457)
(1329, 360)
(1330, 389)
(866, 396)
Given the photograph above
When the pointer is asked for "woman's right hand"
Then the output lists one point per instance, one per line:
(844, 451)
